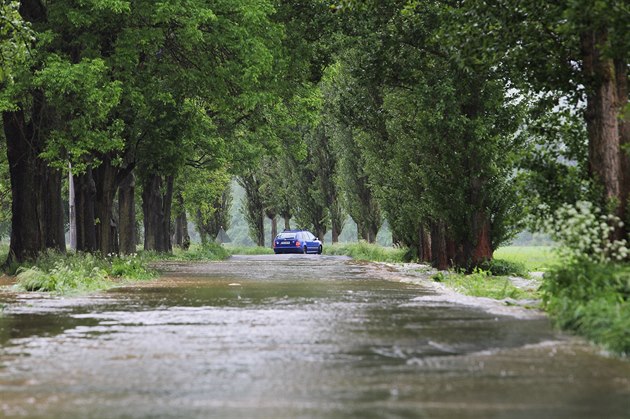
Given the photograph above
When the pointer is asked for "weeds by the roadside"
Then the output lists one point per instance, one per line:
(365, 251)
(196, 252)
(481, 283)
(593, 300)
(248, 250)
(80, 272)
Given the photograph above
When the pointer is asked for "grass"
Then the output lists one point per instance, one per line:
(196, 252)
(593, 300)
(482, 284)
(248, 250)
(80, 272)
(534, 258)
(367, 252)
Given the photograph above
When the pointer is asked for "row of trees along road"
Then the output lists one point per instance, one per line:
(452, 120)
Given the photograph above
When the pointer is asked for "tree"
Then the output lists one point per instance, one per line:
(446, 133)
(253, 207)
(575, 51)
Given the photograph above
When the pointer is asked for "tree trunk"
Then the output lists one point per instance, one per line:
(621, 78)
(274, 229)
(182, 238)
(424, 253)
(602, 117)
(438, 245)
(106, 225)
(156, 207)
(52, 209)
(127, 215)
(85, 196)
(287, 223)
(72, 211)
(27, 235)
(482, 249)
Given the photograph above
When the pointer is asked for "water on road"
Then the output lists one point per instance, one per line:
(292, 337)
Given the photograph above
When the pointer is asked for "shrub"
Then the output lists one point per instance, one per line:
(593, 300)
(583, 232)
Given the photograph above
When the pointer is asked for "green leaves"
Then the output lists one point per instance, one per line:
(83, 99)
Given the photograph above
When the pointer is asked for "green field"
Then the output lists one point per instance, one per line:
(535, 258)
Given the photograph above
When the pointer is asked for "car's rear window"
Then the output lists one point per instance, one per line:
(290, 236)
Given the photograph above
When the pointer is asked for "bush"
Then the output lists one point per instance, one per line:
(593, 300)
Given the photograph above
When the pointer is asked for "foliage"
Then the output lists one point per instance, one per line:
(205, 252)
(63, 278)
(583, 232)
(80, 272)
(592, 299)
(131, 267)
(366, 252)
(482, 284)
(15, 37)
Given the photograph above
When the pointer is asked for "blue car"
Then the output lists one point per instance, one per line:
(297, 241)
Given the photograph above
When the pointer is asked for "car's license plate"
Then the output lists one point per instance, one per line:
(284, 242)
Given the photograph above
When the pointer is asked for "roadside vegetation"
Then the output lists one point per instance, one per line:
(453, 122)
(482, 283)
(81, 272)
(588, 291)
(367, 252)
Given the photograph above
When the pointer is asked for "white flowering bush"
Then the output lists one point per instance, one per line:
(584, 233)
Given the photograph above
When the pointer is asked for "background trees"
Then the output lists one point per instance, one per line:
(449, 120)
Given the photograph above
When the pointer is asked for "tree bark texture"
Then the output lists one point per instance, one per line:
(621, 78)
(106, 185)
(85, 196)
(181, 237)
(53, 210)
(127, 215)
(438, 246)
(274, 229)
(424, 252)
(157, 196)
(27, 236)
(602, 116)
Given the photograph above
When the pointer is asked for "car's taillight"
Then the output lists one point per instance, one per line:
(298, 244)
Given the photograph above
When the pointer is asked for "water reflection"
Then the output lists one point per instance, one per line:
(297, 337)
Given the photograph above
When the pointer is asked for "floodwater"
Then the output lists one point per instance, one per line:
(292, 337)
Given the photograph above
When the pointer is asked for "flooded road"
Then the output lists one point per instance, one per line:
(292, 337)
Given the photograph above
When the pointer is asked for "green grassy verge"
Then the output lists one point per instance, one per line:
(592, 300)
(482, 284)
(196, 252)
(248, 250)
(80, 272)
(367, 252)
(534, 258)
